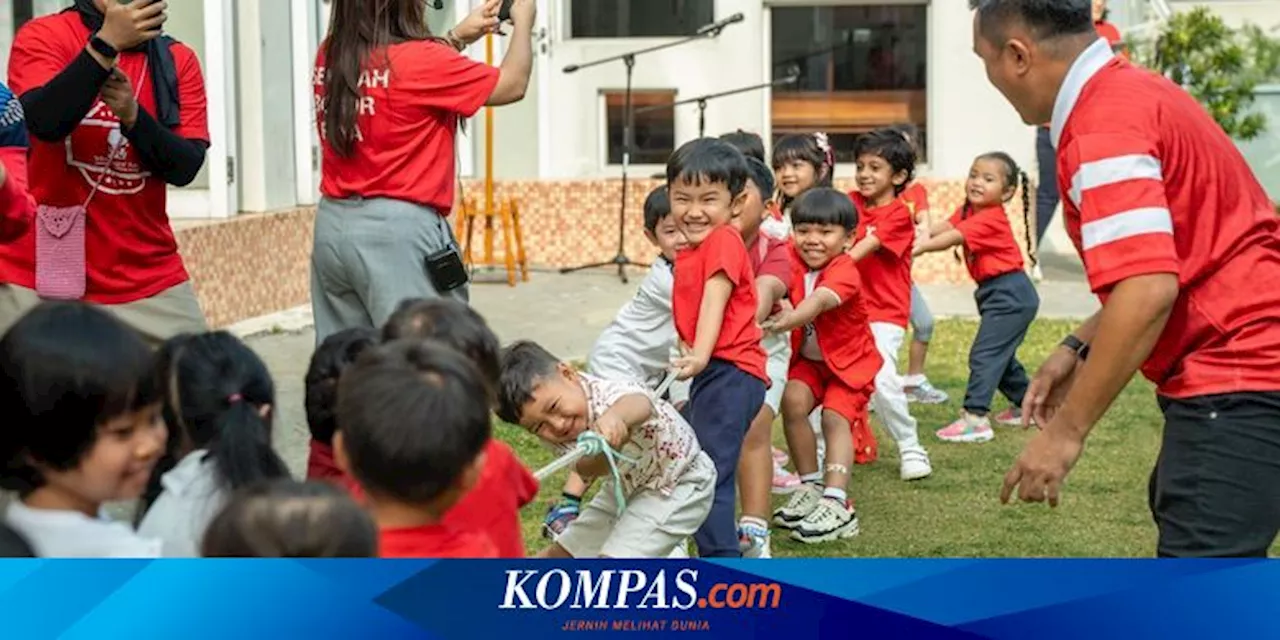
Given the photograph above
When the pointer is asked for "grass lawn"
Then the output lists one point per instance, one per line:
(957, 512)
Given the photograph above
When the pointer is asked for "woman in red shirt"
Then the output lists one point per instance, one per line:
(389, 99)
(116, 113)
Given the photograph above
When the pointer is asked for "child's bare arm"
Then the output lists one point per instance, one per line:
(940, 227)
(865, 247)
(615, 425)
(769, 291)
(939, 242)
(715, 297)
(821, 300)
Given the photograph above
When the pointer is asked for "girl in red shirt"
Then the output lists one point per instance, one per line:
(801, 162)
(389, 100)
(1007, 300)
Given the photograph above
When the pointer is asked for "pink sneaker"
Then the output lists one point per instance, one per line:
(780, 457)
(1011, 417)
(969, 428)
(784, 482)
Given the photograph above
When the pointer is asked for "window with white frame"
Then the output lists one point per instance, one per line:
(638, 18)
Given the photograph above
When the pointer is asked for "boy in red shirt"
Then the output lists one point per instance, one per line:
(414, 422)
(714, 307)
(493, 505)
(331, 358)
(16, 205)
(770, 259)
(886, 233)
(834, 365)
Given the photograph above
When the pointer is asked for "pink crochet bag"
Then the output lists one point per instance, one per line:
(61, 267)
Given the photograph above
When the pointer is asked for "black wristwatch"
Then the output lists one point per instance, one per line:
(103, 48)
(1076, 345)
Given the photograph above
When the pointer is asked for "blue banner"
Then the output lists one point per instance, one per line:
(790, 599)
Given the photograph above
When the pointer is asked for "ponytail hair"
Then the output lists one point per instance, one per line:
(218, 396)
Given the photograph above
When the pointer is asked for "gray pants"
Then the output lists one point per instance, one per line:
(1007, 304)
(370, 255)
(921, 317)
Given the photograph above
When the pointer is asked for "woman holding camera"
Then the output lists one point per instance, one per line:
(116, 112)
(389, 99)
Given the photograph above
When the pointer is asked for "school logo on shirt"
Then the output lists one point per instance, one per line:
(88, 148)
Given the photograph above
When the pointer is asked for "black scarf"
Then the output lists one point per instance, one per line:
(164, 72)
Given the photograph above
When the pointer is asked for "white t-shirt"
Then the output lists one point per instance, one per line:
(663, 447)
(56, 533)
(637, 345)
(809, 347)
(191, 498)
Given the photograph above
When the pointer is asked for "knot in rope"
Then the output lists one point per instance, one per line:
(593, 443)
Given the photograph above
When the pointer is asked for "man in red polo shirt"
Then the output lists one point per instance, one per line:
(1182, 246)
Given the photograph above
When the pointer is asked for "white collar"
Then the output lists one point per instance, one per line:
(1086, 65)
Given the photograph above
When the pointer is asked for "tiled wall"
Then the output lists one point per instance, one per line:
(257, 264)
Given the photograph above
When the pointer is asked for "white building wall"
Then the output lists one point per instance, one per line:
(733, 60)
(966, 115)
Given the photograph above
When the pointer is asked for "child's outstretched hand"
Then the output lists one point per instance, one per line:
(614, 430)
(689, 365)
(783, 321)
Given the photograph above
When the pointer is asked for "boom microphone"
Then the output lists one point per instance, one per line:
(716, 27)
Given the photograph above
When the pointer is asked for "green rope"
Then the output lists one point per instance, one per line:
(593, 443)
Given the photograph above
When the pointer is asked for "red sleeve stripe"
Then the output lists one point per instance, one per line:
(1125, 224)
(1097, 173)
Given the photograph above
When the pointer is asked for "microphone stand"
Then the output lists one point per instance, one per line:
(629, 59)
(701, 101)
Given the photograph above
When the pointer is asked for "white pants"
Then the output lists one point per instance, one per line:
(889, 399)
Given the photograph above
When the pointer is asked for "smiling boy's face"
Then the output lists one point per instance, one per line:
(557, 410)
(667, 237)
(754, 207)
(698, 206)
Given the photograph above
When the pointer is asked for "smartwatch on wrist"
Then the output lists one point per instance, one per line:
(1077, 346)
(103, 48)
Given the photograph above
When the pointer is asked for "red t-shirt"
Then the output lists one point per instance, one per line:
(916, 198)
(16, 205)
(129, 245)
(492, 507)
(408, 119)
(721, 252)
(989, 247)
(844, 333)
(1151, 184)
(771, 257)
(433, 541)
(886, 273)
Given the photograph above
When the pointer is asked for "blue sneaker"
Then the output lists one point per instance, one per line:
(558, 518)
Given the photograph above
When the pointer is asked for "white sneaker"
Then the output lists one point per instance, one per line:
(831, 520)
(754, 543)
(915, 464)
(801, 503)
